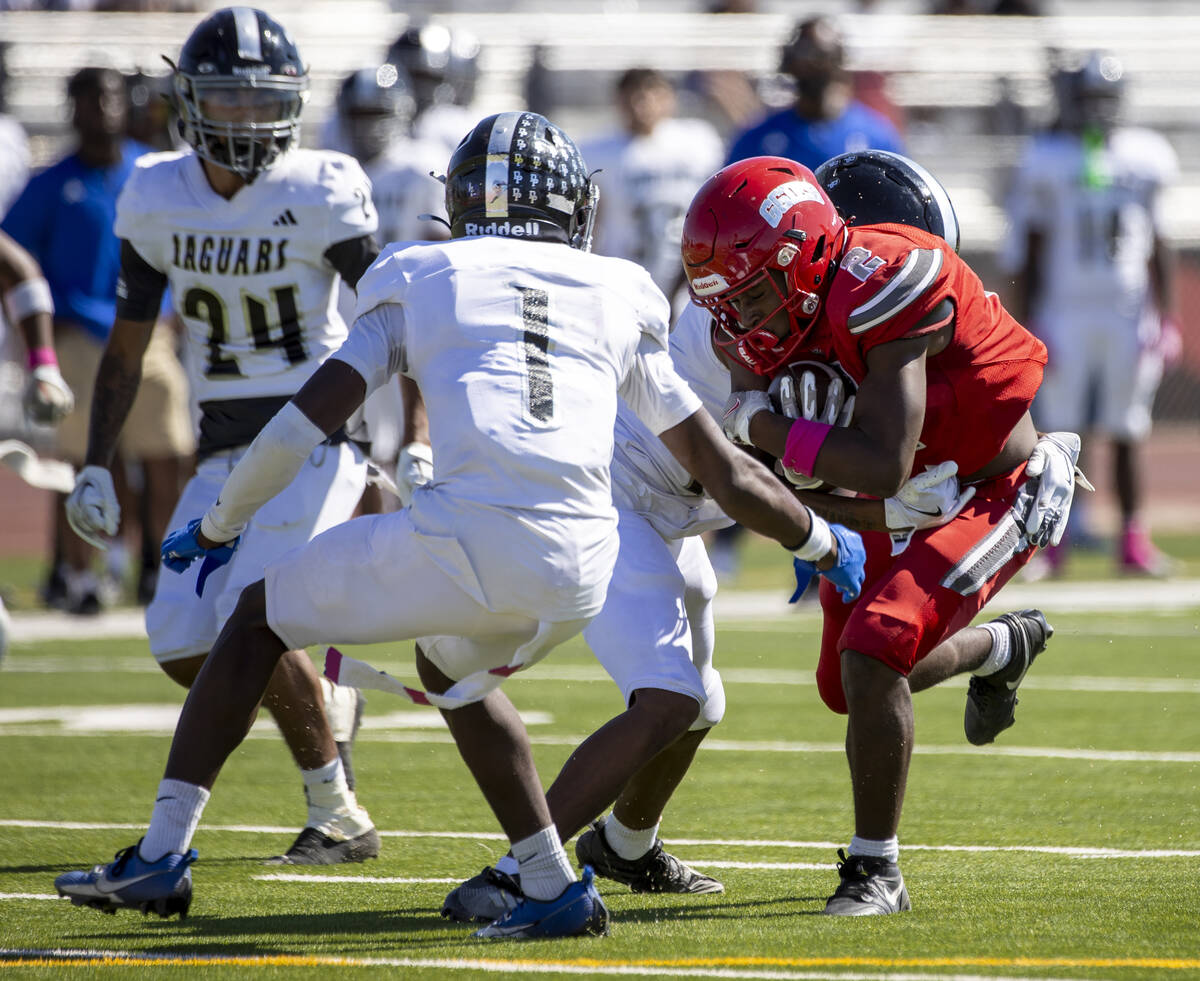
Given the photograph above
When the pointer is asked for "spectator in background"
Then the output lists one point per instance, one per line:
(1095, 280)
(825, 119)
(14, 144)
(443, 67)
(647, 175)
(64, 218)
(375, 109)
(728, 98)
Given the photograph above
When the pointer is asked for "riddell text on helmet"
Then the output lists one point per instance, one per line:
(527, 229)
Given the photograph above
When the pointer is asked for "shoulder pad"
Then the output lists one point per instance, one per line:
(883, 271)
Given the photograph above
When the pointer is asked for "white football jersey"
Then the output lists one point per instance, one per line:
(646, 184)
(646, 476)
(1099, 212)
(521, 350)
(248, 276)
(403, 190)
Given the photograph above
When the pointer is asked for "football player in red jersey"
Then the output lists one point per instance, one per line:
(944, 374)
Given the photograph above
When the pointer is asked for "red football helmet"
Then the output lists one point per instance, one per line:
(752, 217)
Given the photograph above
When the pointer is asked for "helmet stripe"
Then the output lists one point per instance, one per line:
(249, 38)
(498, 160)
(914, 278)
(945, 207)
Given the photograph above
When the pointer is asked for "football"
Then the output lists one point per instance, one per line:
(816, 390)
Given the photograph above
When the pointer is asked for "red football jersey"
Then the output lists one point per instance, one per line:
(892, 276)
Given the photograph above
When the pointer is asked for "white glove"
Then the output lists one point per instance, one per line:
(92, 506)
(48, 398)
(1044, 503)
(927, 500)
(413, 469)
(740, 408)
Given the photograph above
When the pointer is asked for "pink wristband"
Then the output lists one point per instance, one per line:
(39, 356)
(804, 442)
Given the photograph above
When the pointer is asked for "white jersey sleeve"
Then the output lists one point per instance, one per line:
(375, 347)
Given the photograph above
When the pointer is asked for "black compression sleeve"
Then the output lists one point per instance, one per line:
(140, 286)
(352, 257)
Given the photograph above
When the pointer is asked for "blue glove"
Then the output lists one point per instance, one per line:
(847, 573)
(180, 549)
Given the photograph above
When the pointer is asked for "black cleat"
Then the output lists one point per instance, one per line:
(869, 887)
(311, 847)
(483, 898)
(656, 871)
(991, 701)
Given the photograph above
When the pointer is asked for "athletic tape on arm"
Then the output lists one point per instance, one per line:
(266, 468)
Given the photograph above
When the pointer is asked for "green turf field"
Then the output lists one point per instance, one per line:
(1070, 849)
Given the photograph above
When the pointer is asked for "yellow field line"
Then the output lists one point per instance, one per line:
(93, 959)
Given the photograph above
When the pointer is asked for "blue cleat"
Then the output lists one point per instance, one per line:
(578, 911)
(130, 882)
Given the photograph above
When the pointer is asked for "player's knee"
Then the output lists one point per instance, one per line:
(668, 713)
(250, 613)
(713, 709)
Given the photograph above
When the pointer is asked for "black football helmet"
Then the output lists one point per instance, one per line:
(870, 187)
(375, 107)
(1096, 89)
(240, 85)
(518, 175)
(442, 64)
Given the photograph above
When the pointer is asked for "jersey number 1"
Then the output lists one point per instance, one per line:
(202, 304)
(539, 389)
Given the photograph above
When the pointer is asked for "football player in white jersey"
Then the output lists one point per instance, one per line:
(1095, 279)
(251, 234)
(522, 350)
(655, 635)
(375, 107)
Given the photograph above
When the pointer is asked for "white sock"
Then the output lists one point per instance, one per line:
(508, 865)
(1001, 652)
(544, 867)
(629, 843)
(332, 807)
(889, 848)
(177, 810)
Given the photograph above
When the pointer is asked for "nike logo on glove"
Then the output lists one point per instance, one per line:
(728, 412)
(929, 514)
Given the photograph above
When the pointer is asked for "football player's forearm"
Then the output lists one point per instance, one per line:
(847, 458)
(861, 514)
(269, 464)
(117, 381)
(755, 498)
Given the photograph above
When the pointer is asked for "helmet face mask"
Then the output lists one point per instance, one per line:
(760, 225)
(240, 87)
(518, 175)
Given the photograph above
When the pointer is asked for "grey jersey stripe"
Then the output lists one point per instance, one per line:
(986, 557)
(499, 149)
(918, 272)
(249, 39)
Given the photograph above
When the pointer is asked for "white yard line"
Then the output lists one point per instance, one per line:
(592, 966)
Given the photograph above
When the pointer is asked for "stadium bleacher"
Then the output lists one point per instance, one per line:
(944, 72)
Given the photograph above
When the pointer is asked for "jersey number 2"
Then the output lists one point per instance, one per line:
(203, 304)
